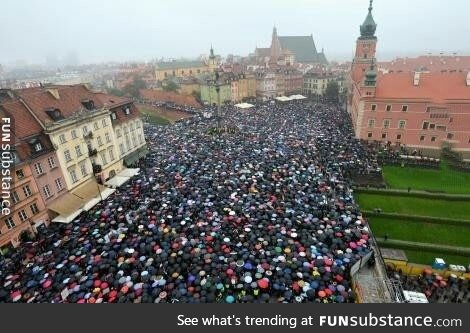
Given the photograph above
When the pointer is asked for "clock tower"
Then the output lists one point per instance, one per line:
(366, 44)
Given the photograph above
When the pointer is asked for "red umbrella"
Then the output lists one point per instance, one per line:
(47, 284)
(263, 283)
(321, 293)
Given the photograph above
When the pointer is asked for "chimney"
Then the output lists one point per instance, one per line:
(416, 78)
(54, 92)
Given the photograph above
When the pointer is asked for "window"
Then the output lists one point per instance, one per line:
(73, 176)
(134, 140)
(38, 168)
(51, 162)
(15, 197)
(113, 116)
(118, 133)
(421, 138)
(84, 130)
(398, 136)
(425, 125)
(74, 134)
(432, 126)
(121, 148)
(104, 122)
(441, 128)
(9, 223)
(38, 147)
(100, 142)
(132, 126)
(388, 108)
(450, 136)
(384, 135)
(22, 215)
(111, 153)
(433, 139)
(137, 124)
(47, 191)
(404, 108)
(371, 123)
(62, 138)
(58, 184)
(103, 157)
(67, 156)
(373, 107)
(83, 169)
(95, 125)
(34, 209)
(369, 135)
(107, 137)
(27, 191)
(78, 151)
(141, 140)
(386, 123)
(401, 124)
(20, 174)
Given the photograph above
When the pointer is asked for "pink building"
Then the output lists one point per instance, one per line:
(421, 110)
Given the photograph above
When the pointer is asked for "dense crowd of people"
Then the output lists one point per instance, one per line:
(261, 213)
(435, 287)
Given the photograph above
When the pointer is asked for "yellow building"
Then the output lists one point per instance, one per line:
(164, 70)
(79, 124)
(246, 86)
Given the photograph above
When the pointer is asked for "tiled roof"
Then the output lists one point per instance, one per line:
(24, 123)
(435, 87)
(428, 63)
(168, 96)
(180, 64)
(303, 48)
(69, 101)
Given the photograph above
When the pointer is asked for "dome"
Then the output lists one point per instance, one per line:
(368, 27)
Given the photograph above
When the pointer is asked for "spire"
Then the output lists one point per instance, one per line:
(368, 27)
(212, 56)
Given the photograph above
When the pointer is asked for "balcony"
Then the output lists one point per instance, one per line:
(92, 152)
(88, 135)
(97, 168)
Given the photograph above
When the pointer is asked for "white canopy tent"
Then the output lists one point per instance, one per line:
(244, 105)
(292, 97)
(283, 99)
(122, 177)
(128, 172)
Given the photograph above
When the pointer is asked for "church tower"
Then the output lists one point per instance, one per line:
(275, 47)
(212, 63)
(364, 59)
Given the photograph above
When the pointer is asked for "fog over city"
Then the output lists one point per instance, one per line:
(89, 31)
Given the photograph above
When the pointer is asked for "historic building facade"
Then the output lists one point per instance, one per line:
(423, 110)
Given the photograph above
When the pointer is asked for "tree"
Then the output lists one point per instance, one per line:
(332, 91)
(115, 92)
(133, 89)
(170, 86)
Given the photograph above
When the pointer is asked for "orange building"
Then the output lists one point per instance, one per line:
(423, 110)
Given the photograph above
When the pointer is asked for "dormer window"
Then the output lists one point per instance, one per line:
(127, 110)
(113, 116)
(38, 147)
(88, 104)
(54, 114)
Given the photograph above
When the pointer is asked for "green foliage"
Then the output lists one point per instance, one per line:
(445, 179)
(170, 86)
(415, 206)
(413, 231)
(332, 90)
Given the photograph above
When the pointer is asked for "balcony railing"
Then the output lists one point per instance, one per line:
(88, 135)
(92, 152)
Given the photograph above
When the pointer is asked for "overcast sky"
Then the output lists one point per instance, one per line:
(33, 31)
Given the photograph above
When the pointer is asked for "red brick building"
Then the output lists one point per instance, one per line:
(418, 108)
